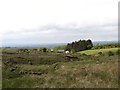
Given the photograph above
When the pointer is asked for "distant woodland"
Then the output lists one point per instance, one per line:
(79, 45)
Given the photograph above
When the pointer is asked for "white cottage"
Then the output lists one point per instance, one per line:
(67, 52)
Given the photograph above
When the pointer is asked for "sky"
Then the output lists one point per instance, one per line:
(57, 21)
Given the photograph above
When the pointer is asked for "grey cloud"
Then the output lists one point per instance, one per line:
(63, 33)
(67, 28)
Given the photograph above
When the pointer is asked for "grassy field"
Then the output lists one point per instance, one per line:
(91, 52)
(0, 68)
(52, 70)
(0, 71)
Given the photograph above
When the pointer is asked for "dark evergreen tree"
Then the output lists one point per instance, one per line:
(79, 45)
(44, 49)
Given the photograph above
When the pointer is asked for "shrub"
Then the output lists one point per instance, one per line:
(110, 53)
(84, 54)
(73, 51)
(118, 52)
(100, 53)
(44, 49)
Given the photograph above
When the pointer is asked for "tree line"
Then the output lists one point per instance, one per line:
(104, 46)
(79, 45)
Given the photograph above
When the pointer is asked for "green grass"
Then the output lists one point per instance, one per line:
(68, 75)
(88, 71)
(59, 48)
(9, 50)
(96, 51)
(0, 74)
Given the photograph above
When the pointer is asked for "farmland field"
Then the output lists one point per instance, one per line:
(53, 70)
(90, 52)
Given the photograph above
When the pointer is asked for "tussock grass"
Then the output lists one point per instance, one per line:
(72, 74)
(88, 72)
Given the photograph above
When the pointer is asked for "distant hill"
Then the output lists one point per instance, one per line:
(49, 45)
(104, 42)
(53, 44)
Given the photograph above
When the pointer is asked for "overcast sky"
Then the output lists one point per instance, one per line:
(57, 21)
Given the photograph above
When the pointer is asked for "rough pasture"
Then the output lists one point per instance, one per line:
(52, 70)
